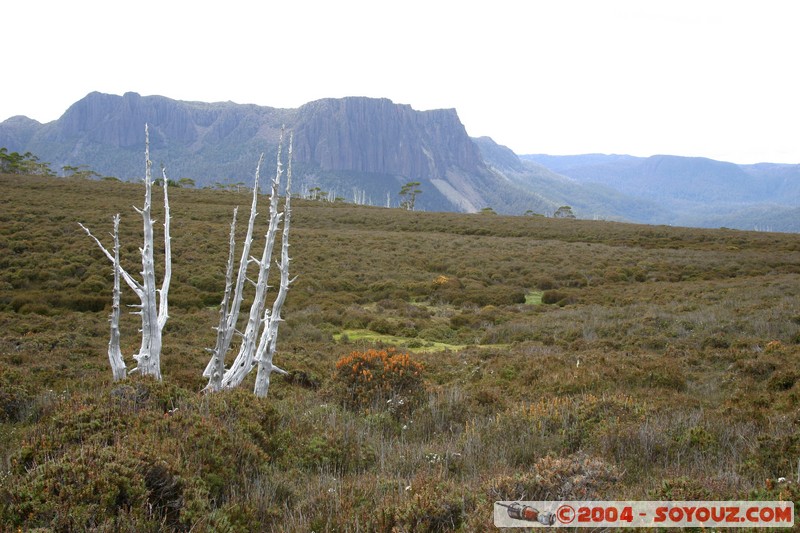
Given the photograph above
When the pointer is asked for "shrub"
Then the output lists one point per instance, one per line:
(482, 296)
(681, 488)
(445, 282)
(716, 341)
(556, 297)
(434, 505)
(783, 380)
(30, 303)
(15, 398)
(343, 453)
(545, 283)
(143, 456)
(86, 303)
(772, 455)
(90, 488)
(562, 424)
(575, 477)
(383, 326)
(367, 379)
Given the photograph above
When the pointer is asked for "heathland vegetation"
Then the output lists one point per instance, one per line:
(437, 362)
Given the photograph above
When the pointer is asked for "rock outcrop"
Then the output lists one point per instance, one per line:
(378, 136)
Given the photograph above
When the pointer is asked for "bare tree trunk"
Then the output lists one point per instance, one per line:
(114, 352)
(154, 314)
(269, 339)
(241, 276)
(216, 366)
(163, 305)
(245, 360)
(227, 326)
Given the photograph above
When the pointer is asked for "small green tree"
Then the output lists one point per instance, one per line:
(316, 193)
(408, 193)
(80, 171)
(27, 163)
(170, 183)
(564, 211)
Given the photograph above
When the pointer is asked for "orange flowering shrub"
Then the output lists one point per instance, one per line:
(441, 280)
(368, 378)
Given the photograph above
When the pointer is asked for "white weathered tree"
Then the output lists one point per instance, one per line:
(260, 334)
(269, 338)
(216, 366)
(153, 308)
(259, 339)
(114, 352)
(232, 301)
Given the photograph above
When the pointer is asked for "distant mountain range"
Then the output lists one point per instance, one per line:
(692, 191)
(367, 149)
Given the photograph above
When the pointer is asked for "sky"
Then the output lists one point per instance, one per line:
(709, 78)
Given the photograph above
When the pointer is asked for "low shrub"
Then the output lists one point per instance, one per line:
(783, 380)
(716, 341)
(368, 379)
(681, 489)
(89, 488)
(434, 505)
(557, 297)
(343, 453)
(142, 456)
(15, 398)
(574, 477)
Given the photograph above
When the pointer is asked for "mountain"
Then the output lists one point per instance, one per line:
(347, 146)
(376, 146)
(588, 200)
(693, 191)
(368, 148)
(208, 142)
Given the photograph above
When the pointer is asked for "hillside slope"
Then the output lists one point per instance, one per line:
(693, 191)
(511, 358)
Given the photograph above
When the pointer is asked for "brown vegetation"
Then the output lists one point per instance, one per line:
(661, 363)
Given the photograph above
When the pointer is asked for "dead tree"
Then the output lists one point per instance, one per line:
(216, 366)
(260, 333)
(153, 308)
(269, 339)
(231, 303)
(259, 339)
(114, 352)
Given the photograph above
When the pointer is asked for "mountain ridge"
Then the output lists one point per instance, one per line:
(697, 191)
(370, 147)
(341, 145)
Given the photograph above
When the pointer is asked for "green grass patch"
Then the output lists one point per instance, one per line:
(418, 345)
(533, 298)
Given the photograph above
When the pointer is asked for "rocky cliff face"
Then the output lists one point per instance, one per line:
(210, 142)
(117, 121)
(378, 136)
(370, 136)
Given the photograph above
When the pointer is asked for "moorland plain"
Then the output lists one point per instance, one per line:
(548, 358)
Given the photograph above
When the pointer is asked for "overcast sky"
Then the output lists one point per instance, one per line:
(713, 78)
